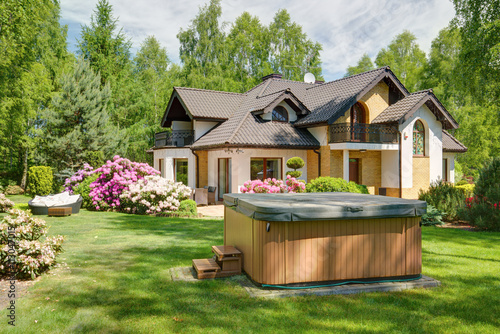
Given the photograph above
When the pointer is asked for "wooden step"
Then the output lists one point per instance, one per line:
(225, 252)
(206, 268)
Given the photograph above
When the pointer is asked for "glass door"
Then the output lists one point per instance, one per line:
(224, 184)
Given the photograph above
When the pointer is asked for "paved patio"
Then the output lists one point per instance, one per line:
(212, 210)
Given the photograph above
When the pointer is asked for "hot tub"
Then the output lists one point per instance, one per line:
(323, 237)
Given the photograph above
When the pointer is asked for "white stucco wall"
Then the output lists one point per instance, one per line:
(292, 115)
(320, 133)
(390, 169)
(451, 166)
(241, 164)
(169, 154)
(202, 127)
(433, 145)
(177, 125)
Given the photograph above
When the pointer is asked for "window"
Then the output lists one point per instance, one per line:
(264, 168)
(445, 170)
(280, 114)
(181, 170)
(418, 139)
(160, 167)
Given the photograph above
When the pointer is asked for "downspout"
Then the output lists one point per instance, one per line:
(400, 164)
(319, 161)
(197, 168)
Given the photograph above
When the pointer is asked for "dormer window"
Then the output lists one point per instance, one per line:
(280, 114)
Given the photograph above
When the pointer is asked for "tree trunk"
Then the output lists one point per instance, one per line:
(25, 169)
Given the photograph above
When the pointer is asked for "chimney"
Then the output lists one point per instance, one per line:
(272, 76)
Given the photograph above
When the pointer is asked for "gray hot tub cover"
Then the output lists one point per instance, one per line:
(322, 206)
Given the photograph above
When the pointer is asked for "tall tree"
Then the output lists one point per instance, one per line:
(291, 52)
(364, 64)
(78, 121)
(405, 58)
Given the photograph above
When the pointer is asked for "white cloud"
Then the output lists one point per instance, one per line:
(346, 29)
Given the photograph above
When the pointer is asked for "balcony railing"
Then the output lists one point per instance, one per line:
(177, 138)
(363, 133)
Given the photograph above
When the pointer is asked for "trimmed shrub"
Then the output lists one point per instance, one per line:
(433, 216)
(331, 184)
(40, 180)
(5, 203)
(188, 206)
(295, 163)
(13, 190)
(83, 189)
(153, 194)
(21, 251)
(445, 197)
(483, 209)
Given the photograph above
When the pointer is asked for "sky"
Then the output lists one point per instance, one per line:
(346, 28)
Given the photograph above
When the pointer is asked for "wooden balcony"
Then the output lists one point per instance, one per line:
(176, 138)
(363, 133)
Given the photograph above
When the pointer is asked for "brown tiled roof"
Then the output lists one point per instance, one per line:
(331, 100)
(451, 144)
(404, 109)
(212, 104)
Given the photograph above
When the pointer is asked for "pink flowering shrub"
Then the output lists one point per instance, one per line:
(294, 185)
(153, 194)
(116, 177)
(21, 252)
(5, 203)
(74, 181)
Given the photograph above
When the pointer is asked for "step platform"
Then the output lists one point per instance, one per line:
(226, 262)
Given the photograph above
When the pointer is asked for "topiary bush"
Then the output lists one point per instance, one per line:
(83, 189)
(445, 197)
(188, 206)
(21, 252)
(433, 216)
(40, 180)
(295, 163)
(5, 203)
(333, 184)
(483, 209)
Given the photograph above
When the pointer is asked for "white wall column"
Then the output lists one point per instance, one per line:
(346, 165)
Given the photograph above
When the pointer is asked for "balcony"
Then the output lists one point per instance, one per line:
(176, 138)
(363, 133)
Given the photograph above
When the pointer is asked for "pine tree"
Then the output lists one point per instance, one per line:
(78, 121)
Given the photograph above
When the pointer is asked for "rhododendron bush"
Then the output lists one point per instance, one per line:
(74, 181)
(115, 177)
(154, 194)
(22, 253)
(273, 186)
(5, 203)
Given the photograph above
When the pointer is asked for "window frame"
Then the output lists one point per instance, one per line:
(264, 176)
(415, 132)
(287, 117)
(175, 169)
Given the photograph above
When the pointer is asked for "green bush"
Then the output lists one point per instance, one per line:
(331, 184)
(40, 180)
(467, 188)
(483, 210)
(95, 158)
(433, 216)
(445, 197)
(461, 182)
(13, 190)
(295, 163)
(83, 189)
(188, 206)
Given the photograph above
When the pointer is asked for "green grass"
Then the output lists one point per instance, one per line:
(115, 279)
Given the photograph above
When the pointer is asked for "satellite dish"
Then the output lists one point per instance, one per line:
(309, 78)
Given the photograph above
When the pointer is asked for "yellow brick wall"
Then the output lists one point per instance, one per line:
(203, 168)
(392, 192)
(312, 165)
(325, 160)
(421, 177)
(370, 169)
(375, 101)
(336, 164)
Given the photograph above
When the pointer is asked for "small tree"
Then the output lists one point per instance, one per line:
(295, 163)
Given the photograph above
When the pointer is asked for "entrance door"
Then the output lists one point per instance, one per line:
(224, 184)
(354, 170)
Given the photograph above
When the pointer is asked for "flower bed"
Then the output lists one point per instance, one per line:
(5, 203)
(273, 186)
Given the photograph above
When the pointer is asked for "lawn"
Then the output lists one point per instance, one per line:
(115, 279)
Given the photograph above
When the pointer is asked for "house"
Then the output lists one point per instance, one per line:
(366, 128)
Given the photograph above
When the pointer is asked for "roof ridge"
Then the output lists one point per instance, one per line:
(236, 129)
(276, 92)
(255, 87)
(429, 90)
(210, 90)
(349, 77)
